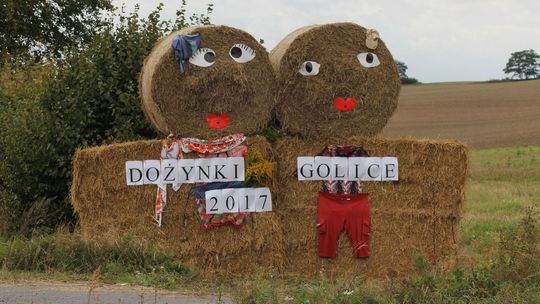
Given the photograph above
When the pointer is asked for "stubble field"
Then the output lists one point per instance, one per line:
(483, 115)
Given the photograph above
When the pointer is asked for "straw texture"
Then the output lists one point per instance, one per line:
(305, 103)
(110, 209)
(179, 103)
(417, 214)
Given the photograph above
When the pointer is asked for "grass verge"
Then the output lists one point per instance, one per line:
(64, 256)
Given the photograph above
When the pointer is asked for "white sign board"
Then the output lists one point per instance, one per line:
(232, 200)
(347, 168)
(134, 173)
(182, 171)
(152, 170)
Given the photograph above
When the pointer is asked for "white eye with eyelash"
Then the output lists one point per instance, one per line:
(309, 68)
(242, 53)
(203, 57)
(368, 60)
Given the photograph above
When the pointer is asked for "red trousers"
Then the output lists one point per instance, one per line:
(338, 211)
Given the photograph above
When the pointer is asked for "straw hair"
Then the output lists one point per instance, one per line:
(305, 103)
(179, 103)
(417, 214)
(110, 209)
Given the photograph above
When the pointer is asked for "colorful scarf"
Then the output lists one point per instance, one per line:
(171, 151)
(216, 146)
(228, 146)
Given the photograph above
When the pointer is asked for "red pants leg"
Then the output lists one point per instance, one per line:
(338, 211)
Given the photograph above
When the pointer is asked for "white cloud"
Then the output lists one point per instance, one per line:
(439, 40)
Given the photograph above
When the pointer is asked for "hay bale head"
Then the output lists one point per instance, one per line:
(335, 80)
(417, 214)
(110, 209)
(230, 75)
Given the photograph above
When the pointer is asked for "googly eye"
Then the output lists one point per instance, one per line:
(368, 60)
(309, 68)
(203, 57)
(241, 53)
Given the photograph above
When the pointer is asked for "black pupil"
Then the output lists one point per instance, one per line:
(209, 57)
(236, 52)
(309, 67)
(369, 58)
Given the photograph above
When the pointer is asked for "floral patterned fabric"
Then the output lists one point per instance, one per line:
(228, 146)
(215, 220)
(171, 151)
(216, 146)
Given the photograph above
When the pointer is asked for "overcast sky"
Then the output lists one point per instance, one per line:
(438, 40)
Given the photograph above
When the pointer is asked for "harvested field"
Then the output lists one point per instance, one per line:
(482, 115)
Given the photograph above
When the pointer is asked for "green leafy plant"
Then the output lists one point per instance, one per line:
(89, 97)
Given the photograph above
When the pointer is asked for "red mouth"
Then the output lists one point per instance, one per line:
(345, 105)
(218, 121)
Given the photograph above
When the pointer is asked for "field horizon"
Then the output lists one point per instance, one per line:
(480, 114)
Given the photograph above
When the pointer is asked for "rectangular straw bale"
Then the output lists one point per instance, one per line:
(110, 209)
(395, 239)
(432, 173)
(417, 214)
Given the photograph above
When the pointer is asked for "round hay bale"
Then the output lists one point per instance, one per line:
(349, 96)
(180, 103)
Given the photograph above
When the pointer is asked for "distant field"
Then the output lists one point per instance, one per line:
(483, 115)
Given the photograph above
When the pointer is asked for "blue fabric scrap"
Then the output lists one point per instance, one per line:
(184, 47)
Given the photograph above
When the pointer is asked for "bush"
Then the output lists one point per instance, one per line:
(89, 98)
(25, 144)
(409, 81)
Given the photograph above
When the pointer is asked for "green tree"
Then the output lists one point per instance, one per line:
(43, 28)
(523, 65)
(402, 70)
(90, 99)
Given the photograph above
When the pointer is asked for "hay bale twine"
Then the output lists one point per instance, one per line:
(306, 103)
(180, 103)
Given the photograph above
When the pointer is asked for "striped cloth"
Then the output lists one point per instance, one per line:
(343, 186)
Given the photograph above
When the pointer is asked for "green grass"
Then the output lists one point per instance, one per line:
(499, 235)
(65, 255)
(503, 183)
(500, 238)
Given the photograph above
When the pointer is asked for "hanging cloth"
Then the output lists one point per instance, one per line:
(171, 151)
(227, 146)
(216, 146)
(339, 186)
(184, 47)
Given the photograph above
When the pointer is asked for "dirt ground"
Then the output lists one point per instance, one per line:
(483, 115)
(85, 293)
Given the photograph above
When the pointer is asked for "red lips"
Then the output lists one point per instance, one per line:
(218, 121)
(345, 105)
